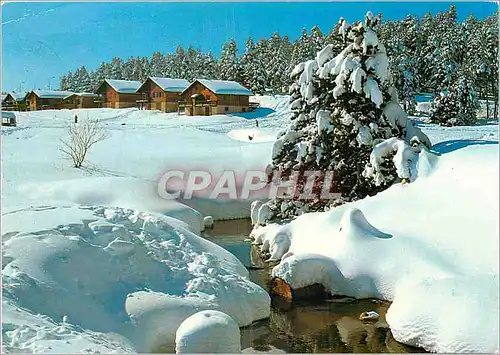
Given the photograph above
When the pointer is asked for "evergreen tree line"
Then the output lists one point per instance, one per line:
(429, 54)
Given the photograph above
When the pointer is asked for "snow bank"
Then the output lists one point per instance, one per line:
(452, 315)
(441, 226)
(208, 332)
(59, 253)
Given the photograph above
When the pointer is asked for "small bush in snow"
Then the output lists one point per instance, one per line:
(81, 137)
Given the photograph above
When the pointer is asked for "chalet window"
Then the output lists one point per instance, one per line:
(226, 108)
(244, 109)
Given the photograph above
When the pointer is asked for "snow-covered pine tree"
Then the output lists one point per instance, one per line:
(457, 106)
(191, 64)
(101, 73)
(253, 68)
(209, 66)
(229, 67)
(278, 52)
(407, 63)
(344, 111)
(128, 68)
(447, 54)
(175, 63)
(116, 68)
(84, 83)
(63, 82)
(157, 62)
(486, 54)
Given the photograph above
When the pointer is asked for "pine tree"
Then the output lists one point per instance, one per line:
(209, 66)
(63, 83)
(229, 67)
(458, 106)
(447, 52)
(157, 64)
(343, 106)
(116, 68)
(82, 79)
(175, 62)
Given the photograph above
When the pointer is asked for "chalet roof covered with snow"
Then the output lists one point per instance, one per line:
(224, 87)
(82, 94)
(18, 96)
(124, 86)
(51, 94)
(170, 85)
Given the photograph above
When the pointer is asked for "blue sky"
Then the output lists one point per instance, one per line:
(42, 41)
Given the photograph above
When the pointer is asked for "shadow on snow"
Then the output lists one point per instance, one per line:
(260, 112)
(456, 144)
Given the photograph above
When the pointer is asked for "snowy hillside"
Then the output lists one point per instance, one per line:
(62, 227)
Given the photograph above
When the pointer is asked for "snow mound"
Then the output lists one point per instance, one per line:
(208, 332)
(63, 250)
(455, 315)
(252, 135)
(113, 191)
(308, 269)
(440, 227)
(355, 225)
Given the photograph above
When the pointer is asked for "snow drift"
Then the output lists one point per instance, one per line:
(410, 237)
(115, 270)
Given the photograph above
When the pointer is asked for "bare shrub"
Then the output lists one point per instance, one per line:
(81, 137)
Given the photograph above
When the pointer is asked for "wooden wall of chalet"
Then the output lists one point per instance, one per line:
(128, 100)
(158, 99)
(114, 99)
(198, 88)
(11, 104)
(37, 103)
(225, 103)
(234, 100)
(80, 102)
(32, 100)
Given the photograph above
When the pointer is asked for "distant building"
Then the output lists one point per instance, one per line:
(162, 93)
(14, 101)
(8, 119)
(45, 99)
(210, 97)
(119, 93)
(81, 100)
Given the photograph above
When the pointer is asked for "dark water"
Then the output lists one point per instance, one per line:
(330, 326)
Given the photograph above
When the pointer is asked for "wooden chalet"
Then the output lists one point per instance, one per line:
(210, 97)
(14, 101)
(162, 93)
(45, 99)
(119, 93)
(81, 100)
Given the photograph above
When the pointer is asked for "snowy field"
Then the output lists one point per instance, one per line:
(62, 227)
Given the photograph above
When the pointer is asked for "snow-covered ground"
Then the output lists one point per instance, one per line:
(430, 246)
(96, 260)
